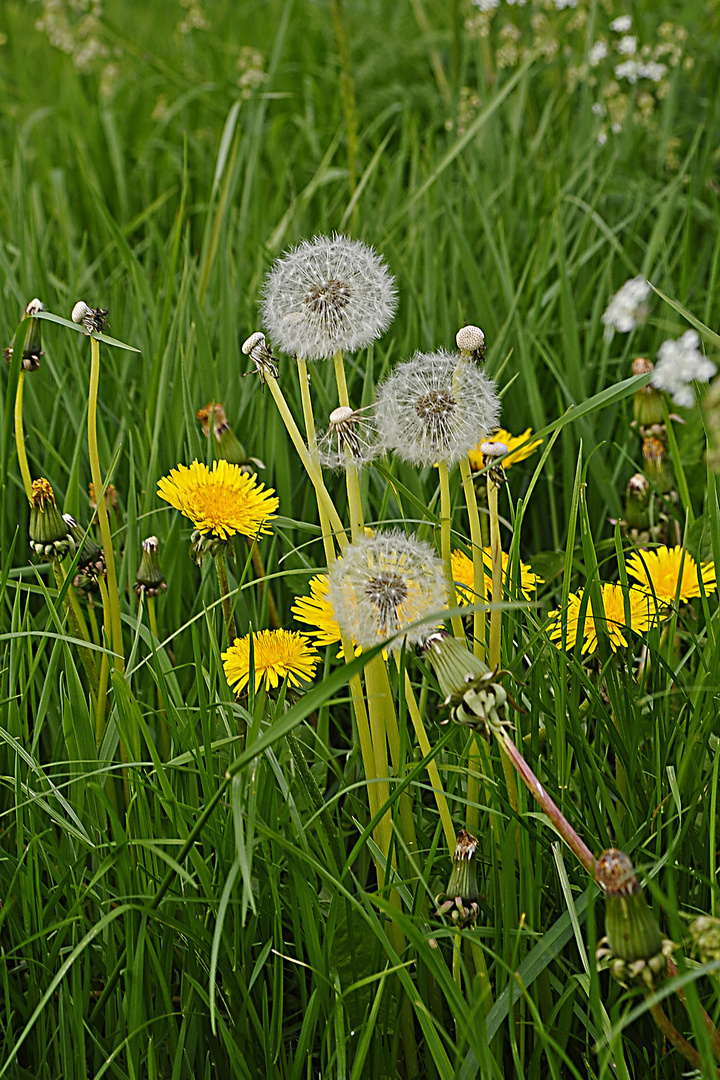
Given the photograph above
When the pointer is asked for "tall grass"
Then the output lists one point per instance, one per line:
(161, 918)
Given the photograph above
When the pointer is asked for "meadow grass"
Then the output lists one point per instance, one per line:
(185, 913)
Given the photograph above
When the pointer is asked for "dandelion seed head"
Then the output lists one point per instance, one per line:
(680, 363)
(382, 585)
(470, 339)
(255, 341)
(622, 24)
(328, 295)
(351, 438)
(435, 407)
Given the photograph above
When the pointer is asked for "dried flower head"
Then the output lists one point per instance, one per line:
(644, 613)
(277, 655)
(93, 319)
(460, 899)
(221, 501)
(149, 579)
(627, 307)
(435, 407)
(383, 585)
(328, 295)
(671, 573)
(471, 340)
(257, 349)
(32, 344)
(351, 438)
(680, 363)
(518, 448)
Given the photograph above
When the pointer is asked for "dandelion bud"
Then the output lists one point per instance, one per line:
(228, 445)
(32, 345)
(460, 900)
(49, 535)
(657, 466)
(647, 402)
(471, 340)
(634, 946)
(473, 692)
(149, 580)
(91, 559)
(705, 933)
(637, 502)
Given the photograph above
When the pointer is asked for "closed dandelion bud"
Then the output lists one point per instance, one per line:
(657, 466)
(634, 948)
(473, 692)
(92, 559)
(229, 446)
(637, 502)
(471, 340)
(149, 579)
(705, 933)
(647, 402)
(460, 901)
(49, 535)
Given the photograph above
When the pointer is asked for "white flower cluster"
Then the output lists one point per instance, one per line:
(679, 364)
(627, 307)
(632, 70)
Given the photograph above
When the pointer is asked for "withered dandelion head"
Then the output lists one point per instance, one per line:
(277, 655)
(327, 295)
(435, 407)
(385, 583)
(221, 501)
(643, 613)
(351, 438)
(671, 573)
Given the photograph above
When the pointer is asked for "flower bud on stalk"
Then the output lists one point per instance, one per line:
(32, 346)
(228, 445)
(149, 580)
(460, 900)
(647, 402)
(471, 689)
(634, 947)
(637, 502)
(49, 534)
(657, 466)
(91, 563)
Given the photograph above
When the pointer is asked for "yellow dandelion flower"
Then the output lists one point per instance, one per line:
(277, 655)
(513, 442)
(643, 611)
(316, 610)
(462, 569)
(671, 573)
(221, 501)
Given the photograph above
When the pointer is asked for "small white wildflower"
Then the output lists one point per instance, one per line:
(599, 109)
(597, 53)
(679, 364)
(351, 438)
(652, 70)
(435, 407)
(627, 307)
(627, 46)
(327, 295)
(385, 583)
(486, 5)
(622, 24)
(627, 70)
(602, 138)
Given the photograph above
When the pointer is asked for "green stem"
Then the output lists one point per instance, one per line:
(164, 734)
(225, 594)
(496, 556)
(476, 540)
(20, 437)
(112, 613)
(311, 467)
(77, 624)
(433, 771)
(352, 476)
(101, 703)
(445, 541)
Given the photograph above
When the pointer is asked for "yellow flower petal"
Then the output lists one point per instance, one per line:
(277, 654)
(222, 501)
(671, 573)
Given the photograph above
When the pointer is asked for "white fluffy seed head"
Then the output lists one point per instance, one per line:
(627, 308)
(351, 438)
(435, 407)
(81, 312)
(470, 339)
(328, 295)
(385, 583)
(680, 363)
(34, 306)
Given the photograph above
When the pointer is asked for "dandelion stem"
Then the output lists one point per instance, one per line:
(352, 477)
(20, 436)
(477, 552)
(101, 703)
(433, 771)
(164, 733)
(327, 533)
(112, 612)
(496, 556)
(265, 590)
(77, 623)
(675, 1038)
(311, 467)
(227, 605)
(445, 540)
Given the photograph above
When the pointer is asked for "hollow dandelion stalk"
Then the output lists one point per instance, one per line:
(352, 478)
